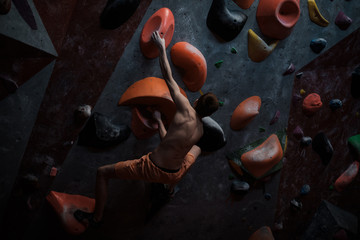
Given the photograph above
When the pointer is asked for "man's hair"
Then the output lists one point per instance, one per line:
(207, 104)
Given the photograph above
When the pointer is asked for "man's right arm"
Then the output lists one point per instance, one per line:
(166, 71)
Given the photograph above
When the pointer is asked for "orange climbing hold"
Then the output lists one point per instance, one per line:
(192, 62)
(245, 112)
(263, 233)
(65, 205)
(162, 21)
(277, 18)
(311, 104)
(262, 158)
(244, 4)
(142, 124)
(347, 176)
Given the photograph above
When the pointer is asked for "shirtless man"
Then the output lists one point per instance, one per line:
(176, 152)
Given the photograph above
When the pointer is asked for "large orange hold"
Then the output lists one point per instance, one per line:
(66, 204)
(262, 158)
(347, 176)
(148, 92)
(263, 233)
(244, 4)
(192, 62)
(161, 21)
(277, 18)
(245, 112)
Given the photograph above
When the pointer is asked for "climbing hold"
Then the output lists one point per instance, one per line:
(65, 205)
(245, 112)
(82, 113)
(342, 21)
(244, 4)
(142, 124)
(267, 196)
(5, 6)
(261, 129)
(347, 177)
(261, 159)
(335, 104)
(221, 103)
(151, 91)
(223, 22)
(9, 84)
(296, 99)
(355, 83)
(322, 146)
(263, 233)
(296, 204)
(231, 177)
(29, 183)
(290, 69)
(298, 132)
(318, 44)
(302, 91)
(311, 104)
(218, 63)
(163, 22)
(354, 144)
(53, 172)
(236, 167)
(238, 186)
(192, 62)
(305, 189)
(278, 226)
(315, 14)
(305, 141)
(340, 235)
(117, 12)
(277, 18)
(298, 75)
(258, 49)
(100, 132)
(233, 50)
(213, 137)
(275, 118)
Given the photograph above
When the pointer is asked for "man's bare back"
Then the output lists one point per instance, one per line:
(186, 127)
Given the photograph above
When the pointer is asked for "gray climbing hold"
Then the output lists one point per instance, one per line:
(296, 204)
(305, 141)
(238, 186)
(318, 44)
(342, 21)
(213, 137)
(267, 196)
(335, 104)
(82, 113)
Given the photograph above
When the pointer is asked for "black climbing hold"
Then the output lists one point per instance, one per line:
(226, 24)
(238, 186)
(261, 129)
(267, 196)
(117, 12)
(298, 75)
(296, 204)
(322, 146)
(335, 104)
(100, 132)
(318, 44)
(305, 141)
(305, 189)
(355, 83)
(10, 85)
(213, 137)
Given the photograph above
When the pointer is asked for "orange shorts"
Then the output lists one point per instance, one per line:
(144, 169)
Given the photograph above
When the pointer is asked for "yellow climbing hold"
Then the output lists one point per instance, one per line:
(357, 114)
(201, 92)
(315, 14)
(302, 91)
(258, 49)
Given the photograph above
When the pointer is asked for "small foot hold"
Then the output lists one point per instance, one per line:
(86, 218)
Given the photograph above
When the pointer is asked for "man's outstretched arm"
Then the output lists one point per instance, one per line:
(166, 70)
(162, 130)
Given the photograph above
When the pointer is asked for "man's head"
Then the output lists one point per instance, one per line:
(206, 105)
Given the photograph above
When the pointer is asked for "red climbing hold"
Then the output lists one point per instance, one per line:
(311, 104)
(347, 176)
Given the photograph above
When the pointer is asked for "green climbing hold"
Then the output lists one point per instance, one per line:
(261, 129)
(233, 50)
(354, 143)
(218, 63)
(221, 103)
